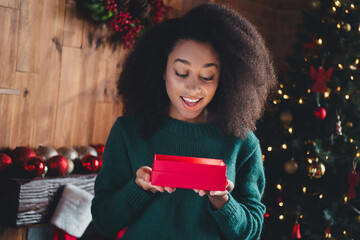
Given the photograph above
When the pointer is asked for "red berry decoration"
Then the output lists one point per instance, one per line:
(99, 149)
(57, 165)
(5, 161)
(20, 154)
(320, 113)
(91, 163)
(35, 167)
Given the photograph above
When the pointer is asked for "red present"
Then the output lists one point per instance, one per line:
(189, 172)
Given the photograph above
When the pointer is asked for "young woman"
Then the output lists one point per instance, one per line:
(192, 86)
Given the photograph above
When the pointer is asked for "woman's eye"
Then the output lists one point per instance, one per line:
(207, 78)
(181, 75)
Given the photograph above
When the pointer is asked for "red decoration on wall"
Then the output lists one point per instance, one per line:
(5, 161)
(35, 167)
(57, 165)
(353, 180)
(20, 154)
(320, 77)
(91, 163)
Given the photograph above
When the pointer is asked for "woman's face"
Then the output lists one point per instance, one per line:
(191, 79)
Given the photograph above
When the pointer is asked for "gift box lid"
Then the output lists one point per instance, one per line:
(189, 165)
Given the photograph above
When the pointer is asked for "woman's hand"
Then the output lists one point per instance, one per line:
(217, 198)
(143, 180)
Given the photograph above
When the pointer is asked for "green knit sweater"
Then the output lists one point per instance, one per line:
(120, 203)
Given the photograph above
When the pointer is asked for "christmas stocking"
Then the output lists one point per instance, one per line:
(72, 214)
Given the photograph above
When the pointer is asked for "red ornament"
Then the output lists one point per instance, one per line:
(320, 113)
(99, 149)
(353, 179)
(5, 161)
(296, 231)
(91, 163)
(310, 46)
(57, 165)
(35, 167)
(320, 77)
(20, 154)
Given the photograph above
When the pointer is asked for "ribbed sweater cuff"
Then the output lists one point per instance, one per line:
(136, 197)
(229, 213)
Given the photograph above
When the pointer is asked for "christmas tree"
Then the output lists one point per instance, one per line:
(310, 134)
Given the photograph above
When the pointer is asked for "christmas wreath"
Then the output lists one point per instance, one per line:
(127, 18)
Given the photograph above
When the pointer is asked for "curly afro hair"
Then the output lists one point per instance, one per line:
(247, 73)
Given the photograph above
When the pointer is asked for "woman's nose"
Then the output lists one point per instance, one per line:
(192, 83)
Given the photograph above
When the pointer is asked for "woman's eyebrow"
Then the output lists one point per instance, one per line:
(188, 63)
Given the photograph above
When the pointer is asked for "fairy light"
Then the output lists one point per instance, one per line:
(347, 96)
(337, 3)
(309, 91)
(290, 130)
(352, 6)
(309, 160)
(334, 9)
(281, 86)
(338, 25)
(305, 59)
(304, 190)
(326, 157)
(344, 232)
(346, 11)
(345, 199)
(357, 61)
(319, 41)
(275, 102)
(280, 91)
(284, 146)
(308, 152)
(351, 140)
(326, 94)
(301, 216)
(321, 196)
(286, 96)
(350, 124)
(340, 66)
(269, 149)
(281, 217)
(352, 77)
(281, 204)
(353, 67)
(338, 89)
(278, 186)
(301, 101)
(263, 157)
(359, 28)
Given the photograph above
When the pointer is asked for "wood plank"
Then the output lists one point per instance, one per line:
(73, 28)
(5, 119)
(9, 25)
(13, 233)
(31, 15)
(23, 120)
(9, 91)
(10, 3)
(49, 71)
(69, 90)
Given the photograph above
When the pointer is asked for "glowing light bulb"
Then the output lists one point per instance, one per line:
(353, 67)
(337, 3)
(281, 204)
(309, 160)
(309, 91)
(357, 61)
(278, 186)
(281, 85)
(338, 25)
(304, 189)
(269, 149)
(352, 77)
(286, 96)
(319, 41)
(340, 66)
(334, 9)
(338, 88)
(344, 232)
(275, 102)
(347, 96)
(345, 199)
(284, 146)
(346, 11)
(301, 101)
(321, 196)
(281, 217)
(326, 94)
(290, 130)
(352, 6)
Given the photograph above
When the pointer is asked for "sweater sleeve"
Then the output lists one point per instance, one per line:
(118, 200)
(242, 216)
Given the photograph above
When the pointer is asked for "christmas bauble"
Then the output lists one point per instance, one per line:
(68, 152)
(20, 154)
(316, 169)
(91, 163)
(35, 167)
(86, 150)
(290, 167)
(320, 113)
(57, 165)
(5, 161)
(286, 117)
(99, 149)
(45, 152)
(70, 167)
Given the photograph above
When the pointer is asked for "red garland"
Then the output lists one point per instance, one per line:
(320, 77)
(353, 180)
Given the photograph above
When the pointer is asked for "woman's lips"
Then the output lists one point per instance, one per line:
(191, 103)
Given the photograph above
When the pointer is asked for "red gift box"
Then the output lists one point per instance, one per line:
(189, 172)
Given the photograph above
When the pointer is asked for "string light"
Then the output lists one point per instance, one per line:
(352, 77)
(281, 85)
(304, 190)
(326, 94)
(286, 96)
(284, 146)
(309, 160)
(309, 91)
(326, 157)
(359, 28)
(338, 88)
(263, 157)
(307, 59)
(275, 102)
(345, 199)
(269, 149)
(340, 66)
(280, 91)
(334, 9)
(338, 25)
(281, 204)
(357, 61)
(319, 41)
(278, 186)
(353, 67)
(337, 3)
(290, 130)
(281, 217)
(344, 232)
(321, 196)
(347, 96)
(301, 216)
(351, 140)
(350, 124)
(346, 11)
(352, 6)
(300, 101)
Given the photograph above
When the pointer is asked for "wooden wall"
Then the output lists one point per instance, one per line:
(56, 87)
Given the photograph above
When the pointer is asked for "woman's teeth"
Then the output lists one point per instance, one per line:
(191, 100)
